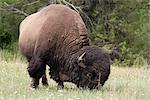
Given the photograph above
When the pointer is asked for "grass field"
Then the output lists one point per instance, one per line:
(123, 84)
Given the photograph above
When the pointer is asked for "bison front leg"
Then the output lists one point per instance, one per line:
(44, 80)
(60, 85)
(54, 73)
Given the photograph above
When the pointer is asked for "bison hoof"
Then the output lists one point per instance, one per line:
(34, 83)
(45, 83)
(60, 87)
(34, 86)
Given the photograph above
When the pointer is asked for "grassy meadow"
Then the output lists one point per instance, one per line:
(123, 84)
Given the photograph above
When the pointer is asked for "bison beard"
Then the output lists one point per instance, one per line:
(47, 38)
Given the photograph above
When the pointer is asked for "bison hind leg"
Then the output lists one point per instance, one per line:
(34, 83)
(36, 70)
(44, 80)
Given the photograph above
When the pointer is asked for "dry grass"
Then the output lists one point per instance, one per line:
(123, 84)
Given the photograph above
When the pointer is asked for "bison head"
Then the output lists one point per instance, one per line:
(91, 67)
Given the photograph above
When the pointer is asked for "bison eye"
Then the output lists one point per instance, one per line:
(89, 75)
(79, 61)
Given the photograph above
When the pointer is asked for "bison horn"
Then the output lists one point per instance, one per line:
(80, 60)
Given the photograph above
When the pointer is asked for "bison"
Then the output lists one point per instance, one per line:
(57, 36)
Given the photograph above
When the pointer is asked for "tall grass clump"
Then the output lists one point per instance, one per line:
(11, 53)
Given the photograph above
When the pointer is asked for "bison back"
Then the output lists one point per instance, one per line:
(55, 29)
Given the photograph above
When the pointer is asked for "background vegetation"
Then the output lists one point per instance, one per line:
(120, 25)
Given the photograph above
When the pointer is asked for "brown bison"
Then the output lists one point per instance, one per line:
(57, 36)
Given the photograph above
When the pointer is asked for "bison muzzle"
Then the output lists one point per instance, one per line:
(57, 36)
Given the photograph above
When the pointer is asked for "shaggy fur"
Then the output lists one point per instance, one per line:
(97, 68)
(56, 36)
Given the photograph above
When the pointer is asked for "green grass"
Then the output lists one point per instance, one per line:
(123, 84)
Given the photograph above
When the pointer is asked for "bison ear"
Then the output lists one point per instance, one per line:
(81, 60)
